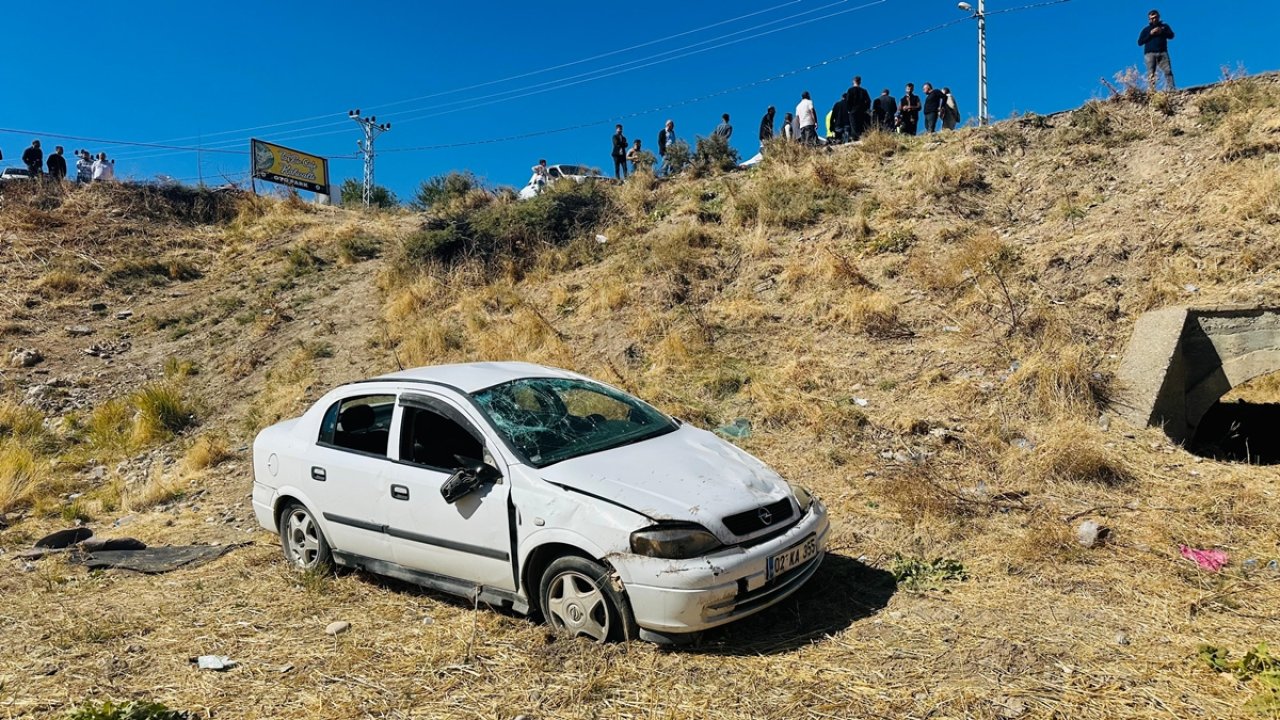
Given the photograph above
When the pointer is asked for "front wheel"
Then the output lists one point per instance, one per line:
(579, 599)
(305, 546)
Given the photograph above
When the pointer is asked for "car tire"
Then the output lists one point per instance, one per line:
(304, 544)
(578, 598)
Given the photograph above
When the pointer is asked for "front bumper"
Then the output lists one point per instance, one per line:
(683, 596)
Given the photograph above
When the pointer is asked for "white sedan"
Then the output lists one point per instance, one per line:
(540, 490)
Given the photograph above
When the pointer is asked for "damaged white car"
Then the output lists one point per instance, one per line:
(540, 490)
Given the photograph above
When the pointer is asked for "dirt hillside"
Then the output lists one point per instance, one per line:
(922, 330)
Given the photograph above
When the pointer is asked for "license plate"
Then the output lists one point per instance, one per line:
(792, 557)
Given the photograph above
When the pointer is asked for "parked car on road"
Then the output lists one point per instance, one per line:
(540, 490)
(576, 173)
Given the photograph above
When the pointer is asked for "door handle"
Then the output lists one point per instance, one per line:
(399, 492)
(317, 473)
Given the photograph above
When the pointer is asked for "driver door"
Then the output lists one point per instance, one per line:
(469, 539)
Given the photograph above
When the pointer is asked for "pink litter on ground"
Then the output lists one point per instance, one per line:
(1211, 560)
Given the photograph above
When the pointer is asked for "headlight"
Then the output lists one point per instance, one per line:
(804, 498)
(673, 541)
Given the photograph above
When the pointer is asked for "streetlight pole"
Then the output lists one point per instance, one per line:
(981, 16)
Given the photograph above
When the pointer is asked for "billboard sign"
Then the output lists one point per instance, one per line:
(279, 164)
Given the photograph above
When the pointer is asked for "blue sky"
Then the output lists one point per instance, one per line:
(445, 73)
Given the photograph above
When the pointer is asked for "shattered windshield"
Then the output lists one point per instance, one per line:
(552, 419)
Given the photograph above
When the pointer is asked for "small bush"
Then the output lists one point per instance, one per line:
(352, 194)
(206, 452)
(713, 155)
(1076, 453)
(919, 575)
(443, 189)
(21, 473)
(677, 158)
(133, 710)
(162, 411)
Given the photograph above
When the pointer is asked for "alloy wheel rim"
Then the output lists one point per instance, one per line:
(577, 605)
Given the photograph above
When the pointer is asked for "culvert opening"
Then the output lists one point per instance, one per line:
(1243, 426)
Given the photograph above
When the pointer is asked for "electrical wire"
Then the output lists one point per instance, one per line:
(592, 75)
(720, 93)
(128, 143)
(502, 80)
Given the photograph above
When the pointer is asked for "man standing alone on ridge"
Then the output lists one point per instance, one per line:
(33, 158)
(1154, 40)
(933, 99)
(57, 165)
(858, 101)
(619, 154)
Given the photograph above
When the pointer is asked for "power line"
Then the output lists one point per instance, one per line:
(719, 93)
(589, 76)
(506, 79)
(130, 143)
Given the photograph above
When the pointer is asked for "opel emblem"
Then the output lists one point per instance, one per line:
(765, 516)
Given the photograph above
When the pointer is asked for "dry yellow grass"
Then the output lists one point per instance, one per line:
(975, 439)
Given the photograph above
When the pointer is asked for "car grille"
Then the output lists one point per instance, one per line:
(745, 523)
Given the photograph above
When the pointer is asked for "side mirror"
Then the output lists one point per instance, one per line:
(467, 479)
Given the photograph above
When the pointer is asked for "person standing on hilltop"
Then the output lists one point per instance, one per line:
(909, 106)
(807, 118)
(933, 99)
(633, 156)
(950, 110)
(840, 120)
(766, 126)
(57, 165)
(724, 129)
(883, 110)
(103, 169)
(666, 138)
(1154, 40)
(33, 158)
(619, 154)
(858, 100)
(788, 127)
(84, 167)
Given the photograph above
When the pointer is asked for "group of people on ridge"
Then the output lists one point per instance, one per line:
(89, 168)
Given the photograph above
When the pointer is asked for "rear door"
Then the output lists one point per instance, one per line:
(469, 539)
(346, 474)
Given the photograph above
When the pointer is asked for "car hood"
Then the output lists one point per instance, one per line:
(686, 475)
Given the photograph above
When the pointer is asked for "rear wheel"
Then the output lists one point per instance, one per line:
(305, 546)
(579, 599)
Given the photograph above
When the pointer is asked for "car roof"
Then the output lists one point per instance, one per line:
(470, 377)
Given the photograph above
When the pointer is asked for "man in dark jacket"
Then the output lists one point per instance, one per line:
(619, 154)
(666, 136)
(1154, 40)
(57, 165)
(909, 106)
(883, 110)
(859, 104)
(933, 99)
(33, 158)
(840, 120)
(766, 126)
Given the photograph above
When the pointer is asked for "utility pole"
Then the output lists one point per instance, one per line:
(981, 17)
(371, 130)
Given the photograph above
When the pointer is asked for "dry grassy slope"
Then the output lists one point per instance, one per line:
(973, 289)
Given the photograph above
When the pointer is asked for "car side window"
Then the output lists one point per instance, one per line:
(432, 440)
(362, 424)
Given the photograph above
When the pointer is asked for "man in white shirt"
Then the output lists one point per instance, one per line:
(103, 169)
(807, 118)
